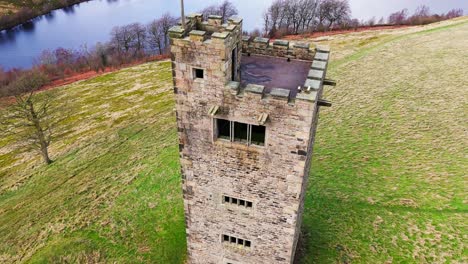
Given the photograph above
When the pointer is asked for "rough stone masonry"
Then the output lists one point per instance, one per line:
(245, 147)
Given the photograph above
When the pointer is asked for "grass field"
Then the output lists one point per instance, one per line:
(388, 183)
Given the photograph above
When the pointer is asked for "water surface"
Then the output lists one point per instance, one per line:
(91, 22)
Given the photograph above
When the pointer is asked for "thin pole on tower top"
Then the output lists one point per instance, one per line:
(183, 13)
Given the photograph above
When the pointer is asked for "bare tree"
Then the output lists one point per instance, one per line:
(226, 9)
(122, 38)
(454, 13)
(266, 24)
(399, 17)
(335, 11)
(156, 36)
(167, 21)
(30, 115)
(371, 22)
(139, 35)
(381, 21)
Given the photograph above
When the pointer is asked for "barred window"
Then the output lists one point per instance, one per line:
(239, 132)
(231, 240)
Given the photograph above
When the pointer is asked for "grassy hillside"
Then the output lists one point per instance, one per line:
(388, 181)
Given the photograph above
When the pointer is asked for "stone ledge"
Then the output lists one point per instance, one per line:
(261, 40)
(197, 33)
(319, 65)
(322, 48)
(300, 45)
(280, 42)
(313, 84)
(254, 88)
(235, 20)
(220, 35)
(312, 96)
(322, 56)
(280, 92)
(215, 17)
(316, 74)
(233, 85)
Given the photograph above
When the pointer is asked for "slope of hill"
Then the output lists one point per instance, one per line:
(388, 181)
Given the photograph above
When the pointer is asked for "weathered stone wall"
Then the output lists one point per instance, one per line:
(271, 176)
(278, 48)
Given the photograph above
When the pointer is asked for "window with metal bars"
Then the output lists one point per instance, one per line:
(240, 132)
(231, 240)
(238, 202)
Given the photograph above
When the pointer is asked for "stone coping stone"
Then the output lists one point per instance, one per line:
(280, 42)
(246, 38)
(313, 84)
(235, 20)
(198, 33)
(322, 56)
(220, 35)
(323, 48)
(262, 40)
(194, 15)
(312, 96)
(177, 29)
(215, 17)
(230, 27)
(316, 74)
(280, 92)
(319, 65)
(233, 85)
(255, 88)
(301, 45)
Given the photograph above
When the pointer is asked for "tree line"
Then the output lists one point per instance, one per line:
(286, 17)
(31, 9)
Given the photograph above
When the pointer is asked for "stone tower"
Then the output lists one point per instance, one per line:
(247, 112)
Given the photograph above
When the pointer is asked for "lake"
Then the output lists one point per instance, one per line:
(91, 22)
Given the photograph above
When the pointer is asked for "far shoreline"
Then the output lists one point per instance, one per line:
(18, 20)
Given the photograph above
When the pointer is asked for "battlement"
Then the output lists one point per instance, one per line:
(199, 30)
(278, 48)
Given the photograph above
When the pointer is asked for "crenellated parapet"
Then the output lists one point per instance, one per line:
(198, 29)
(278, 48)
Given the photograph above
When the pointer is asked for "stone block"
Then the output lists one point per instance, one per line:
(280, 92)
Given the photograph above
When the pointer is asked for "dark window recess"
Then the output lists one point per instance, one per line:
(258, 135)
(224, 129)
(236, 201)
(236, 241)
(240, 132)
(198, 73)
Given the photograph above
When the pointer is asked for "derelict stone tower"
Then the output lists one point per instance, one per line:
(247, 112)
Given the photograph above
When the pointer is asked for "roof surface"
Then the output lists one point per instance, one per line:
(274, 72)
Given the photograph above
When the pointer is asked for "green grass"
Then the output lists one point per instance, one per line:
(388, 180)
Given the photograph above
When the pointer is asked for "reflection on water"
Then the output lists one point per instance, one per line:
(91, 22)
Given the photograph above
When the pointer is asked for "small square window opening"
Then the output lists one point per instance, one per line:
(198, 73)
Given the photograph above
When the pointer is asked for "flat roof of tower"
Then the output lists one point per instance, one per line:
(274, 72)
